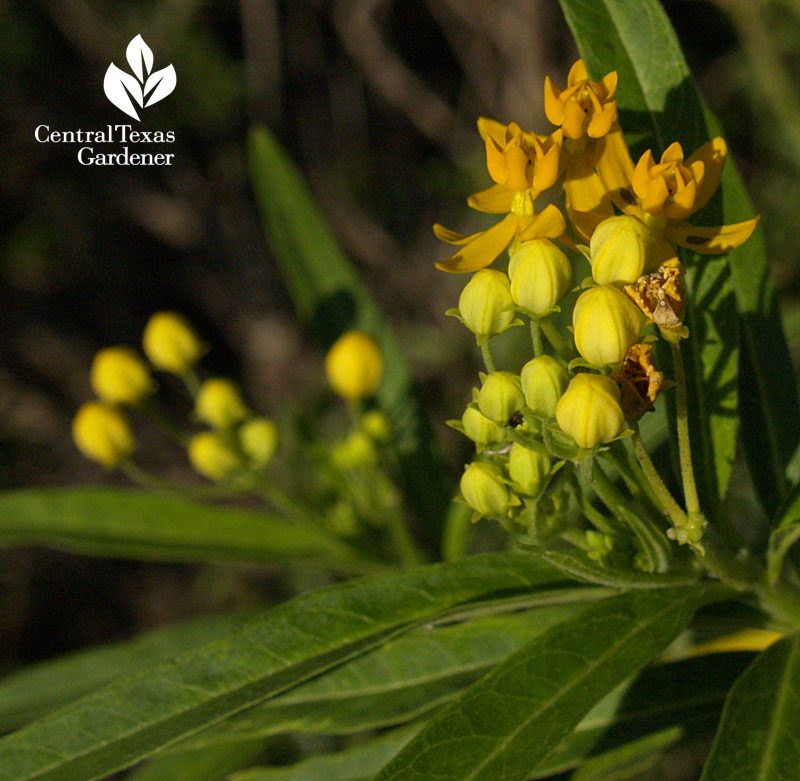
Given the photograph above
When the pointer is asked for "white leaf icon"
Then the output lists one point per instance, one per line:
(161, 83)
(119, 87)
(139, 54)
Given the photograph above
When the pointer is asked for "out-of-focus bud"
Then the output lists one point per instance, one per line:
(621, 248)
(605, 323)
(601, 546)
(485, 305)
(220, 404)
(377, 426)
(544, 379)
(354, 451)
(212, 456)
(258, 438)
(590, 411)
(484, 491)
(102, 434)
(500, 397)
(540, 276)
(120, 376)
(170, 343)
(479, 428)
(354, 365)
(527, 468)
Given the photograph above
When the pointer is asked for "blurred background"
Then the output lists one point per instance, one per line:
(376, 101)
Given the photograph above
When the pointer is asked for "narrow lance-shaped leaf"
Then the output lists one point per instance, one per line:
(131, 718)
(511, 719)
(757, 738)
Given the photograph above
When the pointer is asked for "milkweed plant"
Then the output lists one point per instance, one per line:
(626, 615)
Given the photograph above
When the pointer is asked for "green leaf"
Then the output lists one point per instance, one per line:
(330, 299)
(786, 533)
(210, 764)
(658, 104)
(508, 722)
(131, 718)
(138, 525)
(757, 737)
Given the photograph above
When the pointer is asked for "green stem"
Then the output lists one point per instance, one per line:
(684, 443)
(611, 498)
(609, 494)
(555, 338)
(665, 498)
(403, 543)
(536, 337)
(457, 529)
(192, 382)
(487, 357)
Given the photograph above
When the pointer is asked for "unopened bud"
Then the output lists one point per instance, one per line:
(170, 343)
(540, 276)
(259, 440)
(484, 491)
(590, 411)
(605, 323)
(527, 468)
(120, 376)
(485, 305)
(102, 434)
(377, 426)
(620, 250)
(354, 365)
(544, 379)
(220, 404)
(479, 428)
(500, 397)
(356, 450)
(212, 456)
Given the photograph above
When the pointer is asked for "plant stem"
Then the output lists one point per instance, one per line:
(487, 357)
(668, 503)
(403, 543)
(684, 443)
(192, 382)
(536, 337)
(555, 338)
(608, 494)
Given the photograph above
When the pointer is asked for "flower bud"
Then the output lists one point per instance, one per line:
(377, 426)
(485, 305)
(102, 434)
(479, 428)
(354, 365)
(220, 404)
(540, 276)
(484, 490)
(620, 250)
(356, 450)
(500, 397)
(170, 343)
(258, 438)
(120, 376)
(590, 411)
(543, 381)
(212, 456)
(527, 468)
(605, 323)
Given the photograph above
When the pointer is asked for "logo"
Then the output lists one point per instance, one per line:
(145, 87)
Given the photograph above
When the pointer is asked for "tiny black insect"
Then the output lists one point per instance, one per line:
(517, 419)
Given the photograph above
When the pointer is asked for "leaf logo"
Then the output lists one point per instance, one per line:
(143, 89)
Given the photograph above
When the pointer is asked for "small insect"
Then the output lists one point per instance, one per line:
(661, 295)
(517, 419)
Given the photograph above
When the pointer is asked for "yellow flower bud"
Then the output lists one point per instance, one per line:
(540, 276)
(527, 468)
(485, 305)
(606, 323)
(484, 490)
(102, 434)
(500, 397)
(120, 376)
(621, 248)
(170, 343)
(544, 379)
(212, 456)
(377, 425)
(356, 450)
(354, 365)
(259, 440)
(590, 411)
(479, 428)
(220, 404)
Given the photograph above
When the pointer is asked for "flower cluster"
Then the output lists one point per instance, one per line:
(626, 218)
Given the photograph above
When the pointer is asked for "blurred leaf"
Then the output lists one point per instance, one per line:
(215, 763)
(509, 721)
(330, 299)
(133, 717)
(138, 525)
(659, 103)
(757, 737)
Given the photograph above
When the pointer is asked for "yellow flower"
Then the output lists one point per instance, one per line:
(102, 434)
(171, 344)
(212, 456)
(590, 411)
(120, 376)
(220, 403)
(354, 365)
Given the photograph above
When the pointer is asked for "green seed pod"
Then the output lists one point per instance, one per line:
(540, 276)
(620, 250)
(500, 397)
(479, 428)
(606, 323)
(527, 468)
(485, 305)
(589, 411)
(484, 490)
(543, 381)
